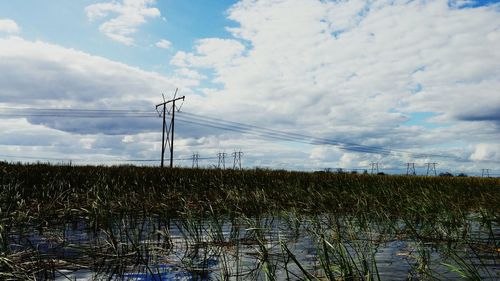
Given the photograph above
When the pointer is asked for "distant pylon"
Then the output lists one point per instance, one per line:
(431, 167)
(237, 159)
(222, 160)
(485, 173)
(374, 167)
(410, 169)
(196, 157)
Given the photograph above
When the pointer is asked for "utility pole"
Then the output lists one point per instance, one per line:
(410, 169)
(196, 157)
(485, 173)
(222, 160)
(374, 167)
(431, 167)
(237, 159)
(170, 134)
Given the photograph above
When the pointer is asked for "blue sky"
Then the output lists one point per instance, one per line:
(65, 23)
(417, 77)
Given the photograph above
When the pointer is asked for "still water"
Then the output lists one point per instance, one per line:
(279, 247)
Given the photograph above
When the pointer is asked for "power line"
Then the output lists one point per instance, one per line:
(254, 130)
(97, 160)
(275, 133)
(221, 124)
(285, 136)
(196, 119)
(83, 110)
(279, 136)
(80, 113)
(79, 160)
(232, 126)
(37, 157)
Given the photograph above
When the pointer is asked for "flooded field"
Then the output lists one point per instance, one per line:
(283, 247)
(126, 223)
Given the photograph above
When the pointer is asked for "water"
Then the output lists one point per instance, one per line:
(138, 247)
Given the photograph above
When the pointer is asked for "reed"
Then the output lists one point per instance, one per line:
(243, 225)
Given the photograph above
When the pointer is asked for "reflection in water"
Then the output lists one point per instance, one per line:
(275, 247)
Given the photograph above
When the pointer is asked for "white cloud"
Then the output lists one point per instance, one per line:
(210, 52)
(352, 71)
(8, 26)
(164, 44)
(486, 152)
(36, 142)
(190, 73)
(43, 75)
(38, 74)
(130, 14)
(355, 70)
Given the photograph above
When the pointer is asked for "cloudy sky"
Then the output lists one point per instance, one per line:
(312, 84)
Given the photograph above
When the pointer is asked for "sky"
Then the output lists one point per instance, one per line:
(311, 84)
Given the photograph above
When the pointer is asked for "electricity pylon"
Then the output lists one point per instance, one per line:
(170, 133)
(431, 167)
(222, 160)
(237, 159)
(196, 157)
(410, 169)
(485, 173)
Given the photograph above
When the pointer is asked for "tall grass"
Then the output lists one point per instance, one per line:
(239, 225)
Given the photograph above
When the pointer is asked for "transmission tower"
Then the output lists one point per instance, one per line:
(222, 160)
(485, 173)
(431, 168)
(410, 169)
(170, 132)
(196, 157)
(237, 159)
(374, 167)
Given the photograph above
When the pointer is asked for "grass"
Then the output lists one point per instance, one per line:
(66, 191)
(250, 222)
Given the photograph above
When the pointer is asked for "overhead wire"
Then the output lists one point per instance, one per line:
(81, 113)
(218, 123)
(225, 125)
(252, 129)
(98, 160)
(347, 145)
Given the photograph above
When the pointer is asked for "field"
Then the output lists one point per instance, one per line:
(145, 223)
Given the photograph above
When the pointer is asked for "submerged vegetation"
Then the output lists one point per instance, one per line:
(145, 223)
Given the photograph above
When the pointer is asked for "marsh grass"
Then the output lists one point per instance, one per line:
(243, 225)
